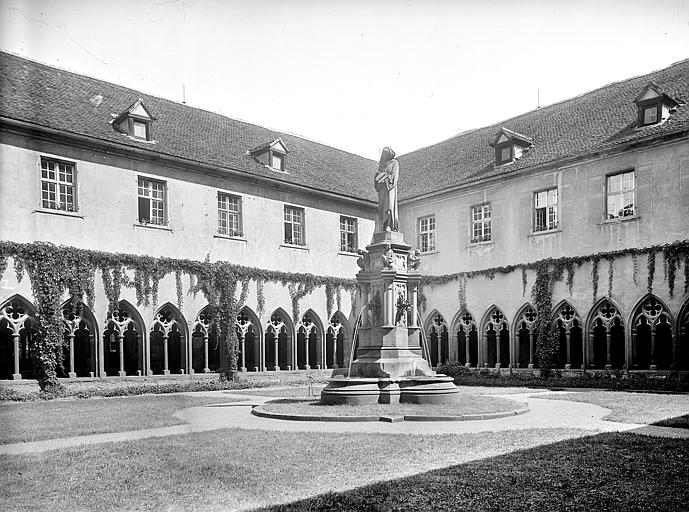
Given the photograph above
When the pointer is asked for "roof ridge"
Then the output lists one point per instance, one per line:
(551, 105)
(183, 104)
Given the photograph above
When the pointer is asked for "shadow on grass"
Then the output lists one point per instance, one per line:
(604, 472)
(677, 422)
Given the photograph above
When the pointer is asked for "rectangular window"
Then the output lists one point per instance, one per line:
(140, 131)
(229, 214)
(427, 234)
(545, 210)
(348, 238)
(651, 114)
(276, 161)
(152, 202)
(480, 223)
(621, 195)
(58, 185)
(506, 154)
(294, 226)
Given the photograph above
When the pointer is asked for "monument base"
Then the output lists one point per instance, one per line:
(438, 389)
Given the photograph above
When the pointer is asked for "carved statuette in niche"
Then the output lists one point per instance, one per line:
(388, 258)
(364, 260)
(414, 260)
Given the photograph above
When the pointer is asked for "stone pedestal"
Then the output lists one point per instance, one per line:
(390, 365)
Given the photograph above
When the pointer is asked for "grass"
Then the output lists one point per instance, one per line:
(678, 422)
(608, 472)
(36, 421)
(466, 404)
(631, 407)
(240, 469)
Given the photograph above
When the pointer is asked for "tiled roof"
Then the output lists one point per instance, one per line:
(42, 95)
(596, 121)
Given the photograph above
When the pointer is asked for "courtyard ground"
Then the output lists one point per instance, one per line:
(205, 451)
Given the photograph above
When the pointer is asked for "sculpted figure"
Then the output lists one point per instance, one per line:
(414, 260)
(386, 184)
(364, 260)
(388, 258)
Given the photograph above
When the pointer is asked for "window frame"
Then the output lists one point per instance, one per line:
(498, 152)
(473, 239)
(621, 193)
(147, 124)
(58, 184)
(164, 201)
(283, 160)
(354, 234)
(427, 239)
(548, 227)
(285, 222)
(656, 103)
(239, 213)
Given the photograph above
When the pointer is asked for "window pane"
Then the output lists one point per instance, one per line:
(651, 115)
(505, 154)
(541, 199)
(144, 209)
(552, 196)
(139, 130)
(276, 162)
(614, 183)
(628, 181)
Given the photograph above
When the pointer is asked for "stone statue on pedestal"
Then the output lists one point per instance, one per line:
(385, 182)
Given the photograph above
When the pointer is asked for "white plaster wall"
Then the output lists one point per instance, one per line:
(107, 216)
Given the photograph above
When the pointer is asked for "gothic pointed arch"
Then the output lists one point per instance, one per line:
(168, 341)
(605, 347)
(249, 335)
(652, 332)
(338, 334)
(205, 345)
(18, 328)
(682, 336)
(124, 341)
(495, 339)
(278, 341)
(567, 323)
(466, 334)
(437, 333)
(309, 341)
(80, 349)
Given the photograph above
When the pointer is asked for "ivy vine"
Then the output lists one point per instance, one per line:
(55, 270)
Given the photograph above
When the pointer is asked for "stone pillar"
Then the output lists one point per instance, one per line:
(389, 304)
(15, 342)
(589, 350)
(120, 340)
(414, 304)
(482, 350)
(72, 373)
(568, 362)
(101, 357)
(243, 345)
(166, 370)
(530, 348)
(205, 354)
(277, 355)
(497, 349)
(467, 340)
(366, 318)
(653, 348)
(608, 338)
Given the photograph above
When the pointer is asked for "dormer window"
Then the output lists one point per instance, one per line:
(509, 146)
(272, 155)
(135, 122)
(653, 105)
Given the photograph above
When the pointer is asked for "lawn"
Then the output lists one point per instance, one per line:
(465, 404)
(233, 469)
(608, 472)
(34, 421)
(631, 407)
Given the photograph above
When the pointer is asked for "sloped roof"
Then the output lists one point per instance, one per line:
(46, 96)
(596, 121)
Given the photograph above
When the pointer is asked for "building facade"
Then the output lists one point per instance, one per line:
(599, 183)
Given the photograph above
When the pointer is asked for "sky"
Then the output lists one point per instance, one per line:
(356, 75)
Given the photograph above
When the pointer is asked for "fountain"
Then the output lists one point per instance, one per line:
(390, 366)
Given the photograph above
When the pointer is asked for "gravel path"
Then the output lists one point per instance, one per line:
(544, 414)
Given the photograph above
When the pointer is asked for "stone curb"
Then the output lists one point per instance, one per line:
(262, 413)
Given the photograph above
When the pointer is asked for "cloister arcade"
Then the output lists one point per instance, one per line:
(648, 337)
(168, 344)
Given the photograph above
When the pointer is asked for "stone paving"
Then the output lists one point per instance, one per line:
(543, 414)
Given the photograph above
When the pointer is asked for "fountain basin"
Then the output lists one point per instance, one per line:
(437, 389)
